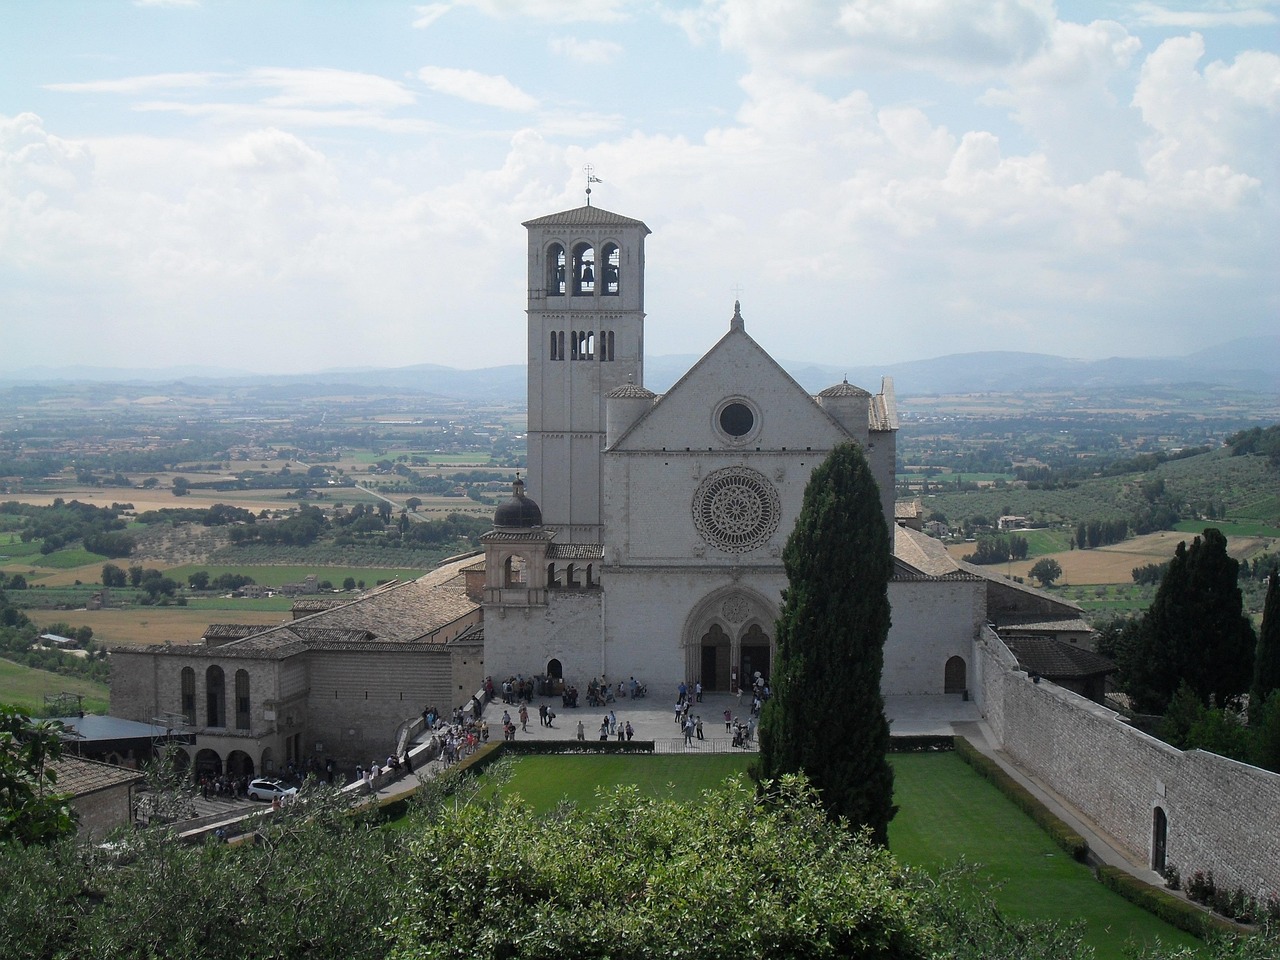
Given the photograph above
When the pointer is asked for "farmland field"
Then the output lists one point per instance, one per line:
(26, 688)
(138, 626)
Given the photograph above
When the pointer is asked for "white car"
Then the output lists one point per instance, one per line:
(265, 789)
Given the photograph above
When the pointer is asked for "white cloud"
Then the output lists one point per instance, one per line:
(551, 11)
(1220, 15)
(592, 52)
(949, 37)
(166, 3)
(487, 89)
(143, 84)
(323, 87)
(429, 14)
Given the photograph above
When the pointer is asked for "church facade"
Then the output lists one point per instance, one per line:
(648, 540)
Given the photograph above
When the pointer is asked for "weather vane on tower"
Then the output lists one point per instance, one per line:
(591, 178)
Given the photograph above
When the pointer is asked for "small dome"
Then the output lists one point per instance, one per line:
(630, 391)
(845, 389)
(520, 511)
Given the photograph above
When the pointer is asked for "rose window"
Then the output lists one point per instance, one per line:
(736, 509)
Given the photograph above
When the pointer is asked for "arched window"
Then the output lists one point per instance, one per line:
(606, 346)
(189, 695)
(513, 572)
(215, 686)
(560, 345)
(555, 271)
(611, 257)
(555, 346)
(242, 700)
(584, 270)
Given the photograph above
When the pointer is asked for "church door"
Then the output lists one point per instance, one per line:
(715, 659)
(953, 676)
(1159, 839)
(755, 656)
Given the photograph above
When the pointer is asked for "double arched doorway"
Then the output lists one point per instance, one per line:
(729, 639)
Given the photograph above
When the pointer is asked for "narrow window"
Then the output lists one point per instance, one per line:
(554, 354)
(215, 698)
(610, 344)
(612, 261)
(560, 345)
(574, 344)
(242, 700)
(555, 271)
(189, 695)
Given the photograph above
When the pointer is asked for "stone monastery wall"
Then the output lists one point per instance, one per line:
(1221, 815)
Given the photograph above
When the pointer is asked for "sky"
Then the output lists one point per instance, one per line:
(278, 186)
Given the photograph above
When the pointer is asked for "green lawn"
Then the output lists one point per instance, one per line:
(26, 688)
(1238, 528)
(947, 813)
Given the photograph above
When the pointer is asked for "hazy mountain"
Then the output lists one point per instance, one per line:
(1251, 364)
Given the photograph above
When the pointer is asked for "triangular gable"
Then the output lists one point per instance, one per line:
(736, 366)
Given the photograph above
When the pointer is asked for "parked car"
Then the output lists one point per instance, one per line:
(267, 789)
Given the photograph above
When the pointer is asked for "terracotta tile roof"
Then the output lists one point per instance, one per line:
(79, 777)
(924, 553)
(575, 551)
(231, 631)
(1056, 660)
(585, 216)
(1060, 625)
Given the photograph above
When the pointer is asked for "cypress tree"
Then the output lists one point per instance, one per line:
(826, 715)
(1195, 631)
(1266, 659)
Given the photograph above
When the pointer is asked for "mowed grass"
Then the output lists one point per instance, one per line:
(26, 688)
(947, 813)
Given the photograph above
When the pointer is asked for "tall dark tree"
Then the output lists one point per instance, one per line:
(1266, 659)
(826, 715)
(1194, 631)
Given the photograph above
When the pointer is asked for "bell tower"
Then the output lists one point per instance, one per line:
(586, 337)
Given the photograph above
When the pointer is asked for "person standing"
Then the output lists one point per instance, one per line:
(728, 721)
(698, 727)
(524, 717)
(630, 730)
(582, 733)
(697, 691)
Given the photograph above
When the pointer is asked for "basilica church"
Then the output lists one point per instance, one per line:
(647, 539)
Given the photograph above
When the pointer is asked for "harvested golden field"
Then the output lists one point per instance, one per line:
(1115, 563)
(138, 626)
(160, 498)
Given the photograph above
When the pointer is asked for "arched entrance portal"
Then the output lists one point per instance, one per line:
(726, 640)
(554, 670)
(239, 764)
(1159, 839)
(208, 764)
(954, 676)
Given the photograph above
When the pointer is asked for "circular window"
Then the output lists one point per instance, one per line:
(736, 509)
(736, 419)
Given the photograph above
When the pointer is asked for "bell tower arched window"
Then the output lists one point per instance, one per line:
(611, 257)
(584, 270)
(555, 271)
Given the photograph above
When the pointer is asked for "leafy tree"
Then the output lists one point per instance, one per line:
(181, 486)
(349, 583)
(1266, 660)
(831, 634)
(198, 580)
(113, 576)
(1046, 570)
(1195, 630)
(31, 810)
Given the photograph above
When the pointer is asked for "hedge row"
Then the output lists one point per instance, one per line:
(1059, 832)
(528, 747)
(922, 744)
(1172, 910)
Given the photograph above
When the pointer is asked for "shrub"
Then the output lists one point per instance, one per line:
(1172, 910)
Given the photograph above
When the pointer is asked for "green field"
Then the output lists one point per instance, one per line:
(1232, 528)
(947, 813)
(26, 688)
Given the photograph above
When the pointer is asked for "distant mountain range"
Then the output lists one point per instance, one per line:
(1250, 364)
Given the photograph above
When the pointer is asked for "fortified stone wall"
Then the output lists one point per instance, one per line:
(933, 621)
(1221, 815)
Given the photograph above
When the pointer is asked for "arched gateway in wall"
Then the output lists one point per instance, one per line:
(728, 638)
